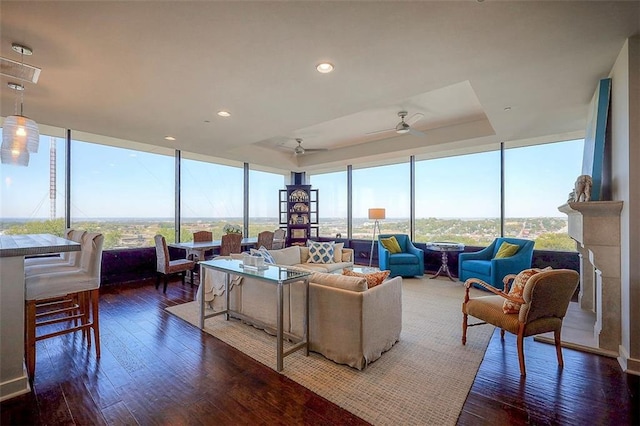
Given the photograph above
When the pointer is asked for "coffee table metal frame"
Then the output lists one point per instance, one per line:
(276, 275)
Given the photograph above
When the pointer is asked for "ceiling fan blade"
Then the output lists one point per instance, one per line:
(415, 132)
(415, 118)
(315, 150)
(380, 131)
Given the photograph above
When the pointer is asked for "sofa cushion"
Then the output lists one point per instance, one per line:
(373, 278)
(344, 282)
(403, 259)
(391, 244)
(325, 267)
(506, 250)
(320, 252)
(480, 266)
(286, 256)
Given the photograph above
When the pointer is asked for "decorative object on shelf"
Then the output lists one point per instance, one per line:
(376, 214)
(230, 228)
(20, 135)
(582, 190)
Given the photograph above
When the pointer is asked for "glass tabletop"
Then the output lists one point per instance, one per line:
(270, 272)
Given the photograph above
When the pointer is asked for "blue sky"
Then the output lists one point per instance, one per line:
(112, 182)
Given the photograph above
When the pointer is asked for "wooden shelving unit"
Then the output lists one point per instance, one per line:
(299, 213)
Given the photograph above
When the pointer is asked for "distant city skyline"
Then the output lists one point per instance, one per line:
(112, 182)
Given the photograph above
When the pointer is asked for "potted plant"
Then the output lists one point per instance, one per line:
(230, 228)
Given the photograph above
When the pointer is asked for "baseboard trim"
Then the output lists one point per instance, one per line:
(578, 347)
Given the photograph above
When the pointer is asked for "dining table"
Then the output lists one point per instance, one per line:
(14, 380)
(201, 247)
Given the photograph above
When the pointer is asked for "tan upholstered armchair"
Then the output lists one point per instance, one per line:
(543, 305)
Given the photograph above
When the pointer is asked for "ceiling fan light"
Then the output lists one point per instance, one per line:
(402, 128)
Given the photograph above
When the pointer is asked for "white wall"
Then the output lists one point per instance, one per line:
(625, 135)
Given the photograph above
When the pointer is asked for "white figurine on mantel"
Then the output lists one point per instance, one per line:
(582, 191)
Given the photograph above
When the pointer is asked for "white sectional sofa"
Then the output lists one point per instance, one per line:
(349, 323)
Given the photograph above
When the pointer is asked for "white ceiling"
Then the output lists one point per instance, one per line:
(139, 71)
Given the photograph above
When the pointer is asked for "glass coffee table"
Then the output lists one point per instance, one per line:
(276, 275)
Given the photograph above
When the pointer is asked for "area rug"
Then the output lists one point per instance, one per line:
(422, 379)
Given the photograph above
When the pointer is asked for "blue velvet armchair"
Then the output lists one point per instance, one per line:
(409, 263)
(483, 265)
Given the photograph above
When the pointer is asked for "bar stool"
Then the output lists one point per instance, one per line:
(65, 295)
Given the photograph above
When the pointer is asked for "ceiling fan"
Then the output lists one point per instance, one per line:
(300, 150)
(404, 127)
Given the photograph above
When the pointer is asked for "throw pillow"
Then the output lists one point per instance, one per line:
(337, 252)
(373, 278)
(517, 289)
(320, 252)
(391, 244)
(263, 253)
(506, 250)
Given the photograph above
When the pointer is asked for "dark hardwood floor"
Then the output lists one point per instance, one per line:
(157, 369)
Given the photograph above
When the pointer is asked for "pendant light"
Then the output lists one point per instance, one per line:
(20, 135)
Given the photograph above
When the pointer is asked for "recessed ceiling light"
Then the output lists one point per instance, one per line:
(324, 67)
(170, 138)
(224, 113)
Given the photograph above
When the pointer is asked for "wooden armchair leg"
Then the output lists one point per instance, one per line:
(520, 341)
(158, 276)
(164, 290)
(556, 337)
(464, 328)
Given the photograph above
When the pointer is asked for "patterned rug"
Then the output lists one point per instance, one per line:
(422, 379)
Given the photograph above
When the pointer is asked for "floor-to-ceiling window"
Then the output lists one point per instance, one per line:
(126, 194)
(33, 197)
(264, 191)
(386, 187)
(458, 199)
(538, 179)
(332, 206)
(212, 195)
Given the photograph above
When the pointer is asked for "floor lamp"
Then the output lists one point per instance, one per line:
(375, 214)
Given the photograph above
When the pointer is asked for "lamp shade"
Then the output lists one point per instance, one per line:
(376, 213)
(20, 132)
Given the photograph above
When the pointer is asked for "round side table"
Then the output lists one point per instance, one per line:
(445, 248)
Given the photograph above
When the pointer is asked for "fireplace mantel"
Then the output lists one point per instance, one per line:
(595, 225)
(594, 222)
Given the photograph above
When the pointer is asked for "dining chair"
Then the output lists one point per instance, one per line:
(231, 243)
(265, 239)
(165, 266)
(279, 236)
(64, 298)
(200, 237)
